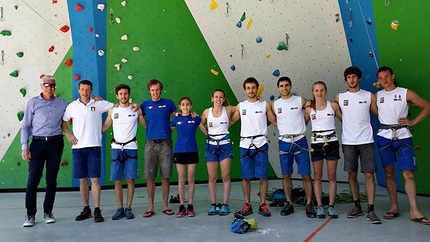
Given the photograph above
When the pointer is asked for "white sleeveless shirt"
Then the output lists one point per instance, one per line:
(253, 122)
(124, 123)
(323, 120)
(392, 105)
(217, 127)
(290, 117)
(356, 127)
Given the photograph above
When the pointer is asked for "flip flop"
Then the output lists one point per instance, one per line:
(148, 214)
(391, 215)
(421, 220)
(168, 212)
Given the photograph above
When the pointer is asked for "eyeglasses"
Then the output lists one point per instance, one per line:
(48, 85)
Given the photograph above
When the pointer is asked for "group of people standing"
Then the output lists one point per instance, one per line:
(47, 115)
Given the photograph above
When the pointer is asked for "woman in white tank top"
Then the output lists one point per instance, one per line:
(324, 144)
(218, 148)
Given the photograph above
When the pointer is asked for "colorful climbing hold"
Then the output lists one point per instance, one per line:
(20, 115)
(20, 54)
(42, 76)
(79, 7)
(272, 98)
(76, 77)
(233, 67)
(64, 28)
(64, 163)
(123, 3)
(267, 55)
(282, 46)
(377, 85)
(395, 24)
(260, 90)
(239, 24)
(16, 7)
(5, 33)
(51, 49)
(14, 73)
(90, 30)
(276, 72)
(68, 62)
(243, 17)
(23, 91)
(258, 40)
(130, 77)
(213, 5)
(214, 72)
(249, 23)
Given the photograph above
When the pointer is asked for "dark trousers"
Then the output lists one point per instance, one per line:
(49, 153)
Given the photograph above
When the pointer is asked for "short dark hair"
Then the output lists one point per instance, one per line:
(352, 70)
(85, 82)
(384, 68)
(122, 86)
(284, 78)
(250, 80)
(185, 98)
(155, 82)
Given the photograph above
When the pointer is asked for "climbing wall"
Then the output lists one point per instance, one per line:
(31, 44)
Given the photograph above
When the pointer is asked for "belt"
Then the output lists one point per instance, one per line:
(48, 138)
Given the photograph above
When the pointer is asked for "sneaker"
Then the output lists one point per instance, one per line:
(212, 209)
(331, 212)
(29, 221)
(288, 209)
(98, 218)
(263, 210)
(320, 212)
(182, 211)
(373, 218)
(310, 211)
(49, 218)
(247, 209)
(190, 210)
(225, 209)
(119, 214)
(218, 207)
(128, 213)
(355, 212)
(86, 213)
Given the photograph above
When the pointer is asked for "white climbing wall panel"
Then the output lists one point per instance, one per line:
(35, 27)
(317, 48)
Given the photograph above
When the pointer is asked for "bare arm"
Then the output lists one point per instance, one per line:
(307, 114)
(141, 118)
(235, 116)
(270, 115)
(108, 121)
(373, 106)
(417, 101)
(203, 128)
(336, 109)
(70, 137)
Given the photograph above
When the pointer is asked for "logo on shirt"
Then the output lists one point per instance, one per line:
(223, 122)
(115, 115)
(150, 107)
(345, 103)
(243, 111)
(210, 124)
(397, 97)
(93, 109)
(330, 114)
(294, 108)
(279, 110)
(362, 102)
(132, 115)
(191, 121)
(258, 111)
(162, 106)
(313, 116)
(179, 123)
(381, 100)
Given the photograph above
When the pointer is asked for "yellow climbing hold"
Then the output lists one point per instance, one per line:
(377, 85)
(214, 72)
(260, 90)
(214, 5)
(249, 23)
(395, 24)
(267, 55)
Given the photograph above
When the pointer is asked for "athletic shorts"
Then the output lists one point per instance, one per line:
(158, 153)
(366, 152)
(298, 151)
(87, 162)
(124, 165)
(186, 158)
(255, 162)
(403, 148)
(327, 152)
(214, 154)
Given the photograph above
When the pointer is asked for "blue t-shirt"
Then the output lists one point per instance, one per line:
(158, 118)
(186, 127)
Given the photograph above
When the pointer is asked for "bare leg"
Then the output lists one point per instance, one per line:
(318, 166)
(411, 192)
(332, 187)
(370, 187)
(85, 191)
(130, 192)
(307, 185)
(212, 173)
(391, 188)
(287, 185)
(165, 184)
(353, 185)
(118, 192)
(191, 183)
(225, 175)
(95, 191)
(246, 188)
(150, 184)
(181, 181)
(263, 190)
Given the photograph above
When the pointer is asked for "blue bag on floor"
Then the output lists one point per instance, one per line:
(240, 226)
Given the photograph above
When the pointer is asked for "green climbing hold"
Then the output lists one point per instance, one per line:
(23, 91)
(20, 54)
(20, 115)
(16, 7)
(5, 33)
(14, 73)
(282, 46)
(243, 17)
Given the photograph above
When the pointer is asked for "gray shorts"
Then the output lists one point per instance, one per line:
(158, 152)
(366, 152)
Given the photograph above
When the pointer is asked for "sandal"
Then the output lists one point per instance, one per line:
(148, 214)
(168, 212)
(421, 220)
(391, 215)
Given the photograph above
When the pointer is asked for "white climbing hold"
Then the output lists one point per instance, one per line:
(101, 6)
(135, 48)
(124, 37)
(118, 20)
(130, 77)
(124, 60)
(97, 35)
(101, 52)
(118, 66)
(123, 3)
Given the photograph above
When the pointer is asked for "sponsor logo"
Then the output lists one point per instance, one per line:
(162, 106)
(191, 122)
(313, 116)
(258, 111)
(210, 124)
(115, 115)
(345, 103)
(179, 123)
(294, 108)
(243, 111)
(150, 107)
(330, 114)
(381, 100)
(279, 110)
(362, 102)
(223, 122)
(397, 97)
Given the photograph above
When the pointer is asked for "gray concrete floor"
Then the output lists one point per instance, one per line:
(160, 227)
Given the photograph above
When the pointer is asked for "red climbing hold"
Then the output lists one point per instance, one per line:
(63, 163)
(68, 62)
(51, 49)
(90, 30)
(77, 77)
(54, 1)
(79, 7)
(64, 29)
(42, 76)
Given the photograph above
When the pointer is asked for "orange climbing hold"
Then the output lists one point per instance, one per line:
(68, 62)
(64, 29)
(79, 7)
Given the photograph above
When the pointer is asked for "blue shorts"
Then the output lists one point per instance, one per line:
(87, 162)
(255, 162)
(327, 152)
(125, 159)
(214, 154)
(405, 153)
(298, 150)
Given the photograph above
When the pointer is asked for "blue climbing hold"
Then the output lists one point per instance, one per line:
(239, 24)
(272, 98)
(276, 72)
(258, 40)
(233, 67)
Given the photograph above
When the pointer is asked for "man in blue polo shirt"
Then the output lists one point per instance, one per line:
(158, 147)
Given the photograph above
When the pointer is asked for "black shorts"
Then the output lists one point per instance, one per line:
(328, 152)
(186, 158)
